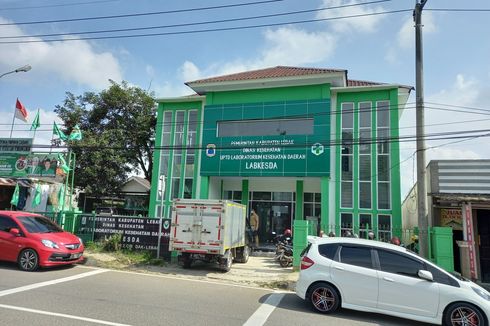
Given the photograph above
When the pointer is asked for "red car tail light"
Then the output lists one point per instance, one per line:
(306, 263)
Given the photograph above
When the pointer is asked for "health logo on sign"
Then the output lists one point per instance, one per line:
(317, 149)
(211, 150)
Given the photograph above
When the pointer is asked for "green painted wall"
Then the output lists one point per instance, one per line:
(269, 95)
(395, 211)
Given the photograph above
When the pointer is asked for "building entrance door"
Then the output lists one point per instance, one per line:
(273, 217)
(483, 242)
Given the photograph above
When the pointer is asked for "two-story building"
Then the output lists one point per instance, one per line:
(291, 143)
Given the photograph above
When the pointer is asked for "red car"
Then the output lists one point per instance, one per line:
(33, 241)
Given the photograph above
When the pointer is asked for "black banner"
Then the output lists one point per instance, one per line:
(137, 233)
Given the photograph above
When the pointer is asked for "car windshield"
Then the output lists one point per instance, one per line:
(38, 224)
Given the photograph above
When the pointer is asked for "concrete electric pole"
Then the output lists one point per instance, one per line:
(420, 121)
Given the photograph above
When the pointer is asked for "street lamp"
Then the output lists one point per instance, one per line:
(25, 68)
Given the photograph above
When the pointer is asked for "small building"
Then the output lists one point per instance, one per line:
(290, 143)
(458, 196)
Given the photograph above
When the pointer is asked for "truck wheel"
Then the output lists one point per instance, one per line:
(186, 260)
(226, 261)
(243, 255)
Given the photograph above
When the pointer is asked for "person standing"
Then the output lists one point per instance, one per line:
(254, 225)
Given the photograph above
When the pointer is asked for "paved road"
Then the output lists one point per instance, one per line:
(83, 295)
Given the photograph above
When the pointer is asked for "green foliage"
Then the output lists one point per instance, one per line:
(118, 127)
(113, 243)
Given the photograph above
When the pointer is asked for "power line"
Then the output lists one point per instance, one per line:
(211, 29)
(141, 14)
(192, 24)
(59, 5)
(458, 9)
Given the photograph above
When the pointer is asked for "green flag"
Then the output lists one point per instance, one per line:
(76, 133)
(37, 196)
(61, 198)
(15, 197)
(63, 164)
(58, 132)
(35, 123)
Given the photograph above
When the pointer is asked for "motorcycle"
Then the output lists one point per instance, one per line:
(284, 254)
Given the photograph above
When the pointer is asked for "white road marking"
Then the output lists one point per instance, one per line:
(55, 314)
(47, 283)
(261, 315)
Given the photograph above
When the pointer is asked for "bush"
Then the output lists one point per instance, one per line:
(113, 243)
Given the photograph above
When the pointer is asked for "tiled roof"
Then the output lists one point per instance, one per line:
(354, 83)
(274, 72)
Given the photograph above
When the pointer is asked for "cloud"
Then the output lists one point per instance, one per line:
(73, 61)
(406, 34)
(364, 24)
(464, 91)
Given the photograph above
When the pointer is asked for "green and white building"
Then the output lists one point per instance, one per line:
(292, 143)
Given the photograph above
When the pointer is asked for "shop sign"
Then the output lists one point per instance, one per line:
(14, 145)
(22, 165)
(137, 233)
(452, 217)
(272, 155)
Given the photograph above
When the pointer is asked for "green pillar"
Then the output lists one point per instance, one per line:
(300, 241)
(245, 192)
(324, 209)
(204, 187)
(299, 213)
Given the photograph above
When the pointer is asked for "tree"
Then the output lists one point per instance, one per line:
(118, 127)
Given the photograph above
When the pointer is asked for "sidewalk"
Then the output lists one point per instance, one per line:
(259, 271)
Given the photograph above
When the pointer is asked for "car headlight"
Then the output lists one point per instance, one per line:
(80, 239)
(50, 244)
(482, 293)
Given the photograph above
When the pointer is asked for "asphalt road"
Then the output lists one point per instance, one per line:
(81, 295)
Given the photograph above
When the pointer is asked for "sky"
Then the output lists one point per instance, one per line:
(378, 45)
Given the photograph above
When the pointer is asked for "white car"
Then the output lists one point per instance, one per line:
(372, 276)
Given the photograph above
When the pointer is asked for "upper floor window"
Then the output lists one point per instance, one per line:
(273, 127)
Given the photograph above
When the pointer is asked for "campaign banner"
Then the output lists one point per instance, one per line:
(23, 165)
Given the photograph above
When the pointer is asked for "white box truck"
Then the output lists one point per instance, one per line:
(209, 230)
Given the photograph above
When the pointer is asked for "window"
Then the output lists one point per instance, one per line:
(357, 256)
(365, 225)
(365, 140)
(396, 263)
(383, 154)
(441, 277)
(328, 250)
(165, 152)
(347, 155)
(177, 160)
(384, 228)
(273, 127)
(345, 223)
(6, 223)
(311, 204)
(190, 153)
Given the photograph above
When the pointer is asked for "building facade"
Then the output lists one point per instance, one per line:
(290, 143)
(458, 196)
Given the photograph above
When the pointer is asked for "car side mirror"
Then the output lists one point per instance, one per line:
(15, 232)
(425, 275)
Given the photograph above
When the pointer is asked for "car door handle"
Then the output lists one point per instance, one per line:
(387, 279)
(339, 268)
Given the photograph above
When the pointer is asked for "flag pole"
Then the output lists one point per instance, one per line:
(13, 122)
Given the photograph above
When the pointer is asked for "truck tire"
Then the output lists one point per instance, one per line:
(243, 254)
(186, 260)
(226, 261)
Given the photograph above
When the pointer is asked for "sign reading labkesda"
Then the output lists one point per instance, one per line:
(267, 139)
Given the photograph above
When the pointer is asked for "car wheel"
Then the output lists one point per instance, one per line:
(462, 314)
(186, 260)
(226, 261)
(324, 298)
(28, 260)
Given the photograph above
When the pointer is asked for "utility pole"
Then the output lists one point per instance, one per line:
(420, 121)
